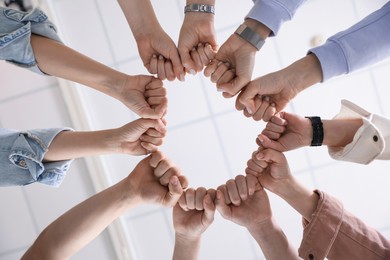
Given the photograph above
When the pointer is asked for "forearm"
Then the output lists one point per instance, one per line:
(70, 145)
(81, 224)
(61, 61)
(303, 73)
(140, 17)
(186, 248)
(340, 132)
(271, 239)
(303, 200)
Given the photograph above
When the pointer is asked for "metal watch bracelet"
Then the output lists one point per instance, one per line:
(202, 8)
(250, 36)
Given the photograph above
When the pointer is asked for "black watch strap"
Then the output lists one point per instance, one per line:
(318, 130)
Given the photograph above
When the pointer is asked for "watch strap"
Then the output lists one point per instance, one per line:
(318, 130)
(246, 33)
(202, 8)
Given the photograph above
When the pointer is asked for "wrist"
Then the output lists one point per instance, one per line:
(258, 27)
(206, 2)
(187, 239)
(304, 72)
(340, 132)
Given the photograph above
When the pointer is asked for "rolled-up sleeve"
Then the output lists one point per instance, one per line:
(273, 13)
(361, 45)
(15, 33)
(335, 233)
(21, 158)
(371, 140)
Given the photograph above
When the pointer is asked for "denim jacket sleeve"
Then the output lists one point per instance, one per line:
(21, 155)
(335, 233)
(273, 13)
(15, 32)
(361, 45)
(371, 141)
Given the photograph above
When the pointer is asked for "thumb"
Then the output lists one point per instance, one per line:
(174, 193)
(268, 143)
(247, 97)
(186, 60)
(271, 155)
(234, 86)
(209, 209)
(221, 206)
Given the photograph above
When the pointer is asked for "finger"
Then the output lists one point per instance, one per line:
(197, 61)
(221, 206)
(148, 147)
(269, 112)
(209, 210)
(209, 52)
(220, 70)
(151, 140)
(205, 60)
(162, 167)
(161, 67)
(270, 134)
(175, 191)
(253, 166)
(154, 133)
(164, 179)
(260, 163)
(262, 105)
(169, 70)
(233, 192)
(155, 158)
(272, 127)
(155, 101)
(157, 92)
(242, 186)
(199, 196)
(154, 84)
(153, 64)
(226, 77)
(251, 172)
(190, 198)
(182, 202)
(211, 68)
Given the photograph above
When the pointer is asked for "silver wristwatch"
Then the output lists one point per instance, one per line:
(203, 8)
(250, 36)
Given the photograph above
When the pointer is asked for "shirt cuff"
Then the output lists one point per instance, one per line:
(27, 153)
(15, 39)
(332, 59)
(319, 234)
(368, 142)
(270, 13)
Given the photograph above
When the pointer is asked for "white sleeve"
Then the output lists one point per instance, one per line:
(369, 142)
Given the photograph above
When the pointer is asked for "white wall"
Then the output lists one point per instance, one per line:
(207, 138)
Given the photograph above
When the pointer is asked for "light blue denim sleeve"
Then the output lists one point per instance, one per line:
(363, 44)
(273, 13)
(15, 32)
(21, 155)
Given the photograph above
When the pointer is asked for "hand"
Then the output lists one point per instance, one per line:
(233, 66)
(144, 95)
(250, 204)
(285, 132)
(194, 213)
(139, 137)
(197, 33)
(271, 169)
(160, 55)
(281, 86)
(147, 188)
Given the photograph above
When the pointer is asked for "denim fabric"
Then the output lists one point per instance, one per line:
(15, 32)
(21, 155)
